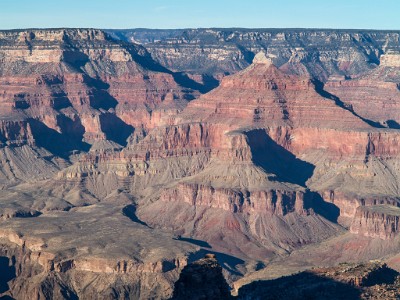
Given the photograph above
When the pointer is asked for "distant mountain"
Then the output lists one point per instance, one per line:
(219, 51)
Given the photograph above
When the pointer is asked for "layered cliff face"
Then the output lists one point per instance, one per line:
(375, 94)
(321, 53)
(376, 221)
(248, 166)
(65, 89)
(65, 92)
(263, 110)
(246, 138)
(266, 96)
(114, 178)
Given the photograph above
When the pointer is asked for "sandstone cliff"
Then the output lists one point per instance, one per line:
(376, 221)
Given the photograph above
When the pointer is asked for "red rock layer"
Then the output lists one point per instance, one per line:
(68, 79)
(276, 202)
(380, 221)
(290, 111)
(262, 95)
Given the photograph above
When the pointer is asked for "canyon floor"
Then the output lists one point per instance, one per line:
(126, 156)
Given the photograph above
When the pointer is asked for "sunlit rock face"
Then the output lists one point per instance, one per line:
(117, 170)
(65, 89)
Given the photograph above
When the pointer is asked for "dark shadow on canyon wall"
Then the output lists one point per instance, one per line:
(53, 141)
(130, 212)
(325, 209)
(72, 128)
(392, 124)
(7, 273)
(275, 159)
(227, 262)
(144, 59)
(247, 54)
(200, 243)
(319, 88)
(99, 97)
(115, 129)
(210, 82)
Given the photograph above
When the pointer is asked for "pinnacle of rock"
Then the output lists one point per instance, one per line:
(262, 58)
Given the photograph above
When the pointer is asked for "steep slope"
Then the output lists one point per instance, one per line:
(374, 94)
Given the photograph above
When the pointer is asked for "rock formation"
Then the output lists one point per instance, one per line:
(64, 92)
(376, 221)
(105, 256)
(202, 279)
(115, 172)
(238, 151)
(214, 52)
(373, 95)
(77, 87)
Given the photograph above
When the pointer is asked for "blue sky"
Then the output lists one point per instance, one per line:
(368, 14)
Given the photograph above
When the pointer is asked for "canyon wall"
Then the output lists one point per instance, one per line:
(119, 164)
(218, 51)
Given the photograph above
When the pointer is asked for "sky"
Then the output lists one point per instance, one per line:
(120, 14)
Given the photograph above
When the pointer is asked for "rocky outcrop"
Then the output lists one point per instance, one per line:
(380, 221)
(373, 280)
(202, 279)
(29, 278)
(349, 204)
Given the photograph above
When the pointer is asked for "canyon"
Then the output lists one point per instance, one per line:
(126, 156)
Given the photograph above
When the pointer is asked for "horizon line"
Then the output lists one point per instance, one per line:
(201, 28)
